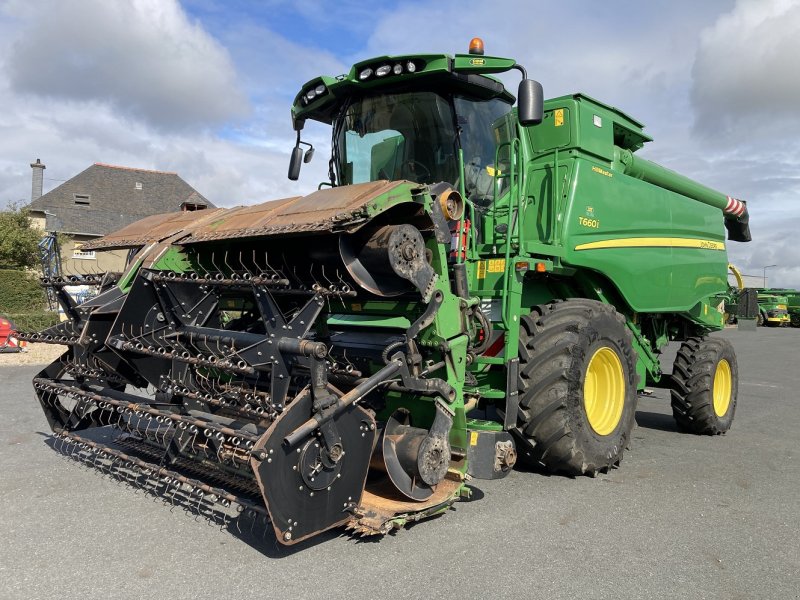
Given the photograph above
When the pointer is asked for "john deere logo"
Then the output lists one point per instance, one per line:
(477, 62)
(589, 211)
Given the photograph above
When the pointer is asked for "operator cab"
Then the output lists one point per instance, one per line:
(417, 135)
(425, 119)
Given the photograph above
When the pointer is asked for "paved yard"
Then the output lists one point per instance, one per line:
(684, 517)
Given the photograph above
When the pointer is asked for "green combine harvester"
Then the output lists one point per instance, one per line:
(779, 307)
(793, 306)
(483, 278)
(773, 308)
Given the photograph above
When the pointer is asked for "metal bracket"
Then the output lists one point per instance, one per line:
(427, 317)
(440, 227)
(431, 387)
(512, 394)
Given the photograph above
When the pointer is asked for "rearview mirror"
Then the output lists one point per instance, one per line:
(530, 102)
(295, 163)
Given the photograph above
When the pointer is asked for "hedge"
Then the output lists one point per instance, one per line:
(33, 321)
(23, 300)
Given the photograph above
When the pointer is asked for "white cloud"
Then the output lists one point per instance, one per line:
(62, 114)
(143, 57)
(70, 137)
(776, 246)
(744, 96)
(635, 57)
(659, 61)
(745, 75)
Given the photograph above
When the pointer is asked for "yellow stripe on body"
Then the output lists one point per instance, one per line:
(653, 242)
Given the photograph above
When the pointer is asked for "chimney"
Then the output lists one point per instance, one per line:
(38, 179)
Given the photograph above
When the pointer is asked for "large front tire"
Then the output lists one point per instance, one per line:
(705, 385)
(578, 387)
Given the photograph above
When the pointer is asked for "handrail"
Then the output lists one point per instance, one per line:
(514, 197)
(554, 192)
(514, 193)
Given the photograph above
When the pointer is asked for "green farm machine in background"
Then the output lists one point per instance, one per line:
(476, 282)
(793, 306)
(772, 309)
(778, 307)
(733, 302)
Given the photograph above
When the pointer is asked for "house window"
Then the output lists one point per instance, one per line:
(80, 254)
(138, 185)
(82, 199)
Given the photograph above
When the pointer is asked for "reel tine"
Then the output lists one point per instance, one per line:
(95, 456)
(225, 262)
(214, 264)
(242, 266)
(267, 266)
(104, 414)
(331, 284)
(225, 518)
(255, 264)
(174, 487)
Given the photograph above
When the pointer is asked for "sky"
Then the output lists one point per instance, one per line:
(203, 88)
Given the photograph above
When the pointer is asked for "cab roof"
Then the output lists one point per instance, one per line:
(320, 98)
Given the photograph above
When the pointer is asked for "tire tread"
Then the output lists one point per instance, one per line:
(549, 350)
(692, 382)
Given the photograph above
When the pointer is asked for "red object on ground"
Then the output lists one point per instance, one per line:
(8, 343)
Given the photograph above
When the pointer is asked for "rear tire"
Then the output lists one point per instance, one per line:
(705, 386)
(569, 422)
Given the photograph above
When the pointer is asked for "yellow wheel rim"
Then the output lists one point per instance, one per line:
(604, 391)
(723, 388)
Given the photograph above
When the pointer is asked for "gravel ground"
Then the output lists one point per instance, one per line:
(684, 517)
(32, 354)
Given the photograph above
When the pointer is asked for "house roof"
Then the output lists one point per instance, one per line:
(115, 199)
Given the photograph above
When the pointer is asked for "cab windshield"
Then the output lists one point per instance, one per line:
(414, 136)
(397, 136)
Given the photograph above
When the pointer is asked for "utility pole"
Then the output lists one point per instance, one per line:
(765, 273)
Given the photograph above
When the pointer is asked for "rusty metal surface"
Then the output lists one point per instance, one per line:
(153, 229)
(319, 211)
(380, 504)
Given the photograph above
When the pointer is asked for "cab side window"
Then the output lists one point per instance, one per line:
(483, 126)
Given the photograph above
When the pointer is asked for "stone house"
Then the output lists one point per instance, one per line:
(103, 199)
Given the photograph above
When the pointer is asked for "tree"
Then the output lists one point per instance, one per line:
(19, 241)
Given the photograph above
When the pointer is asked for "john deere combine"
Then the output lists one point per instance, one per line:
(476, 281)
(793, 306)
(773, 307)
